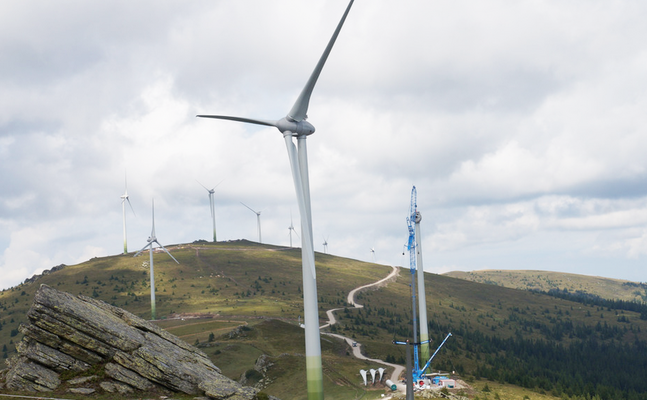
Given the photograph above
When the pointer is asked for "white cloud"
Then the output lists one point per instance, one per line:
(520, 125)
(24, 257)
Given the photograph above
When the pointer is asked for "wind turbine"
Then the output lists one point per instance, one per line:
(291, 228)
(258, 220)
(325, 245)
(294, 124)
(213, 207)
(373, 252)
(125, 198)
(153, 239)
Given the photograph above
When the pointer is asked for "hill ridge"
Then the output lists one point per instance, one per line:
(545, 281)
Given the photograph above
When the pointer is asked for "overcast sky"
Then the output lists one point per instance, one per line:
(522, 125)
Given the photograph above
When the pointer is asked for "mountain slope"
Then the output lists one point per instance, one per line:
(508, 335)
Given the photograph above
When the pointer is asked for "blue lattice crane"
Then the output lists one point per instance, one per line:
(413, 221)
(411, 246)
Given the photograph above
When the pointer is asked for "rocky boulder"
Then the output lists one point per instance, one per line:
(68, 334)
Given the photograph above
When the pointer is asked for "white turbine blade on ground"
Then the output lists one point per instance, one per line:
(300, 109)
(240, 119)
(167, 252)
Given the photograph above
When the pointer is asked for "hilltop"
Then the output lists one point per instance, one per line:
(241, 302)
(545, 281)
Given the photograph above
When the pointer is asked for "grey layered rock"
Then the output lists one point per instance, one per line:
(49, 357)
(74, 333)
(50, 339)
(81, 380)
(128, 377)
(115, 387)
(30, 376)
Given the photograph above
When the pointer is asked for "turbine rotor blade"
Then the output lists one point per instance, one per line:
(255, 212)
(241, 119)
(218, 184)
(167, 252)
(153, 230)
(205, 188)
(143, 248)
(131, 206)
(299, 110)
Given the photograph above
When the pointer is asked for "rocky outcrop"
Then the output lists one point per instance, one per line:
(45, 272)
(68, 335)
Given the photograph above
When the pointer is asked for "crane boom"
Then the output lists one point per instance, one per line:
(435, 352)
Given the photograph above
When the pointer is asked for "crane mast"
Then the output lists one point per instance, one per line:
(411, 246)
(420, 344)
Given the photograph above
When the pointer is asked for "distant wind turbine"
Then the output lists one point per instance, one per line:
(294, 124)
(258, 220)
(373, 252)
(125, 198)
(153, 239)
(213, 207)
(325, 245)
(291, 229)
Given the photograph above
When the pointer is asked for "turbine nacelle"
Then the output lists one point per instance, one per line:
(297, 128)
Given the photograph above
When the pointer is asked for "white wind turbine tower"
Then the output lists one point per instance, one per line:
(213, 207)
(325, 245)
(295, 125)
(373, 252)
(153, 239)
(258, 220)
(125, 198)
(422, 298)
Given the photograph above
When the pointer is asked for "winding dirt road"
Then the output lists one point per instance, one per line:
(357, 349)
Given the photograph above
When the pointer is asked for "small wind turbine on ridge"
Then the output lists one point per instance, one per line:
(258, 220)
(325, 245)
(212, 206)
(294, 125)
(125, 198)
(153, 239)
(291, 228)
(373, 252)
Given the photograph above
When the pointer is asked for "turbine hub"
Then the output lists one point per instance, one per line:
(298, 128)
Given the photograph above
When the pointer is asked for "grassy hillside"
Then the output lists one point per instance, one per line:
(238, 283)
(543, 344)
(606, 288)
(483, 310)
